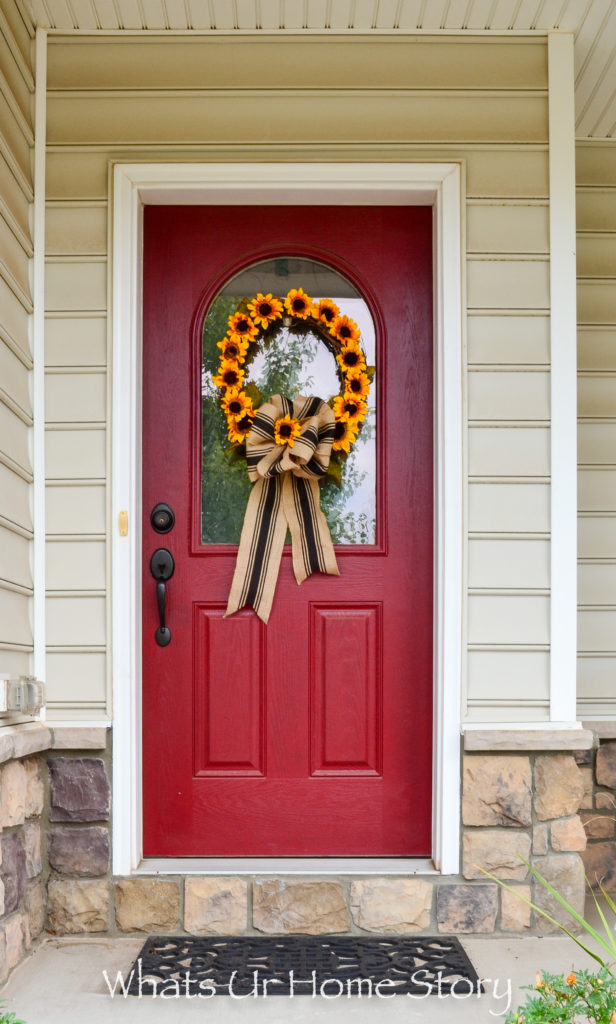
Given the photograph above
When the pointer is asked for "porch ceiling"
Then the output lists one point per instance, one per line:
(592, 21)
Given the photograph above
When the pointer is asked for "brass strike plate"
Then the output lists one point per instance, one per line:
(123, 523)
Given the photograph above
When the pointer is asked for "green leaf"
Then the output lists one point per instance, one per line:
(254, 394)
(334, 471)
(371, 370)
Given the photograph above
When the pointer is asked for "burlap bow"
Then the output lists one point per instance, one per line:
(285, 493)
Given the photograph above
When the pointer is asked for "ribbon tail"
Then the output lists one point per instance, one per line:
(260, 551)
(313, 550)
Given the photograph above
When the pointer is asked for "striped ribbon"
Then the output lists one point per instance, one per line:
(285, 494)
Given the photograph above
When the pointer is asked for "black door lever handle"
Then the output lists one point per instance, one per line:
(162, 567)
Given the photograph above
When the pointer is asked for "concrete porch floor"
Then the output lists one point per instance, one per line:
(63, 983)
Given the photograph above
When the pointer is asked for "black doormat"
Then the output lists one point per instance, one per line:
(191, 965)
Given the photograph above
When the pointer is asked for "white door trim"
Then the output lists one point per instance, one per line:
(396, 184)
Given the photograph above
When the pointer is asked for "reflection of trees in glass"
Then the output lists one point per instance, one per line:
(225, 483)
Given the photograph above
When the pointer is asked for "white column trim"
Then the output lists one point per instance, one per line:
(563, 349)
(38, 358)
(383, 184)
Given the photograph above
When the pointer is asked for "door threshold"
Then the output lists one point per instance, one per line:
(286, 866)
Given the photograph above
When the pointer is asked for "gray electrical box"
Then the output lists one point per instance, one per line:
(22, 695)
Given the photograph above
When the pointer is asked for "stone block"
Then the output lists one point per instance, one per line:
(215, 906)
(598, 826)
(391, 906)
(605, 764)
(588, 784)
(558, 786)
(496, 851)
(79, 789)
(565, 872)
(600, 864)
(4, 964)
(540, 840)
(30, 739)
(584, 756)
(312, 908)
(496, 790)
(79, 851)
(35, 788)
(13, 871)
(515, 914)
(75, 906)
(12, 794)
(605, 802)
(80, 737)
(568, 834)
(34, 908)
(147, 905)
(32, 847)
(15, 945)
(464, 909)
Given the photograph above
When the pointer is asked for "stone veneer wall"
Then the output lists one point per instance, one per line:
(56, 866)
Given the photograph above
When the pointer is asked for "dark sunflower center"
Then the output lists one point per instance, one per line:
(232, 350)
(351, 359)
(285, 430)
(351, 408)
(339, 430)
(265, 309)
(245, 424)
(354, 385)
(327, 314)
(235, 407)
(299, 305)
(242, 326)
(345, 331)
(231, 378)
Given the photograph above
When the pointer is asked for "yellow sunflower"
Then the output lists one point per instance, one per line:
(351, 357)
(229, 375)
(344, 436)
(350, 409)
(286, 430)
(242, 327)
(357, 383)
(344, 329)
(240, 429)
(264, 309)
(233, 348)
(298, 304)
(236, 404)
(325, 310)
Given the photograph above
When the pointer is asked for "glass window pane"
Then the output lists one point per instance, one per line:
(291, 364)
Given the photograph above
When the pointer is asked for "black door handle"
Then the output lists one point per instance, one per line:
(162, 567)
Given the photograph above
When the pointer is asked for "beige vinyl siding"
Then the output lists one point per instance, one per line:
(596, 263)
(16, 138)
(477, 100)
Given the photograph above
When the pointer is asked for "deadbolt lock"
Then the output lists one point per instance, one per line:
(162, 517)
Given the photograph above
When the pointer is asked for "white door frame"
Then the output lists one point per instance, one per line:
(398, 184)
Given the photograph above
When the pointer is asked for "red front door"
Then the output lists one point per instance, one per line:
(311, 735)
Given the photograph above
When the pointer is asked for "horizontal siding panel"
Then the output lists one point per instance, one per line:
(74, 454)
(14, 377)
(15, 558)
(595, 164)
(508, 395)
(75, 230)
(523, 673)
(506, 508)
(596, 537)
(75, 397)
(508, 284)
(596, 255)
(75, 678)
(15, 663)
(14, 437)
(287, 63)
(597, 584)
(14, 618)
(75, 175)
(515, 564)
(15, 138)
(596, 210)
(596, 302)
(515, 173)
(508, 228)
(75, 621)
(75, 510)
(14, 316)
(75, 285)
(509, 451)
(11, 193)
(78, 565)
(597, 443)
(596, 678)
(596, 630)
(510, 339)
(596, 489)
(14, 259)
(296, 118)
(508, 620)
(597, 397)
(18, 30)
(597, 348)
(15, 498)
(75, 341)
(14, 78)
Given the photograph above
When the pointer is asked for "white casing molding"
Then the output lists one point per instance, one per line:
(134, 185)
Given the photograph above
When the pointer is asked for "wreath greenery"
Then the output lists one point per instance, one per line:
(258, 321)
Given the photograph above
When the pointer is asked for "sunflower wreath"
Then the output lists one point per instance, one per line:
(260, 319)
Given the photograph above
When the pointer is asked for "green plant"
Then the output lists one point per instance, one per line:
(582, 996)
(9, 1017)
